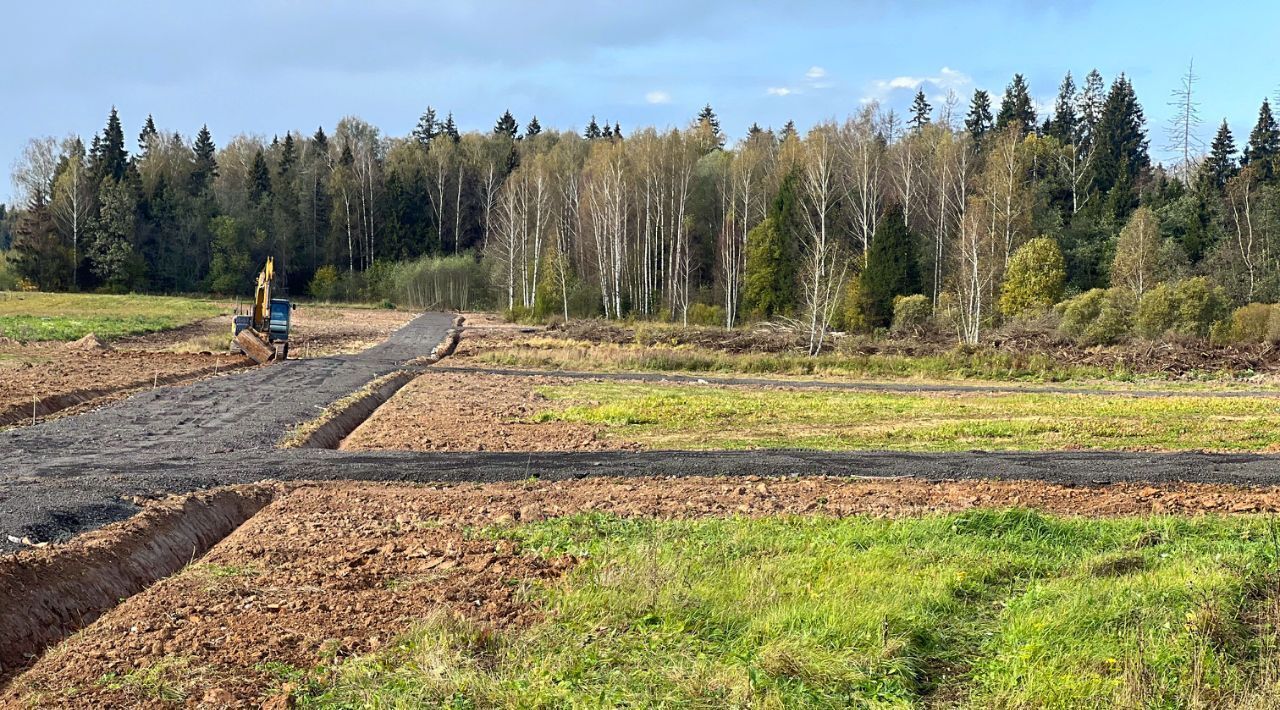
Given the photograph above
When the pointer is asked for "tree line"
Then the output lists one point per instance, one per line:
(824, 229)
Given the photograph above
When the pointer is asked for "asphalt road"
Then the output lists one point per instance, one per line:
(78, 473)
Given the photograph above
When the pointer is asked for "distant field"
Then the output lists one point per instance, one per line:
(62, 316)
(706, 417)
(980, 609)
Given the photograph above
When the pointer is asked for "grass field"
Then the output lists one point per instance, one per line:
(706, 417)
(981, 609)
(64, 316)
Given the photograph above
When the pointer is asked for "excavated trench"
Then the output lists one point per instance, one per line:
(49, 593)
(53, 592)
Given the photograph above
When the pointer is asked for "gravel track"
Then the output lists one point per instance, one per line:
(78, 473)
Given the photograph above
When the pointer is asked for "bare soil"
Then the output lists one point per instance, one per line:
(451, 411)
(56, 377)
(331, 570)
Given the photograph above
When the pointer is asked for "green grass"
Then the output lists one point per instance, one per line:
(66, 316)
(708, 417)
(982, 609)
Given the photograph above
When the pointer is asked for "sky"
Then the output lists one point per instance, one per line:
(269, 66)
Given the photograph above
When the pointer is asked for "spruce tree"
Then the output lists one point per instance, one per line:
(978, 122)
(617, 130)
(920, 111)
(206, 166)
(1090, 107)
(710, 125)
(1264, 143)
(607, 132)
(1062, 125)
(288, 155)
(146, 135)
(506, 125)
(892, 269)
(450, 128)
(1016, 108)
(593, 130)
(111, 158)
(754, 130)
(769, 283)
(789, 130)
(533, 129)
(1220, 165)
(259, 179)
(427, 128)
(1120, 148)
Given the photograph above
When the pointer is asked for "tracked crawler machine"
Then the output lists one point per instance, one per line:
(263, 333)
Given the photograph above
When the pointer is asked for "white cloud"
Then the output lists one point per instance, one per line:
(778, 91)
(814, 79)
(815, 72)
(946, 78)
(658, 97)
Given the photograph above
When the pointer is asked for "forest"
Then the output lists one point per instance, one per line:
(960, 217)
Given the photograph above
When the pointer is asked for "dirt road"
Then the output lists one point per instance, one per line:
(70, 474)
(78, 473)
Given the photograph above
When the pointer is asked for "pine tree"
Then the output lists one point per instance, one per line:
(892, 269)
(42, 258)
(709, 124)
(450, 128)
(1120, 157)
(920, 111)
(427, 128)
(754, 130)
(1090, 107)
(979, 122)
(789, 130)
(1220, 166)
(533, 129)
(1264, 143)
(206, 165)
(1016, 108)
(259, 179)
(593, 130)
(506, 125)
(1063, 124)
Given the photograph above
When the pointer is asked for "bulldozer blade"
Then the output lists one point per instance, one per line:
(251, 343)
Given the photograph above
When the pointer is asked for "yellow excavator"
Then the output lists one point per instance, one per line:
(263, 333)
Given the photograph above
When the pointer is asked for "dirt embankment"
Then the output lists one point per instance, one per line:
(331, 570)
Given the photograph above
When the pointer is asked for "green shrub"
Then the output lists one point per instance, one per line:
(911, 314)
(1200, 305)
(1035, 278)
(1250, 323)
(324, 285)
(706, 314)
(1157, 312)
(1097, 317)
(850, 316)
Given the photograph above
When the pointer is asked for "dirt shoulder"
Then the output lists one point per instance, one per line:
(331, 570)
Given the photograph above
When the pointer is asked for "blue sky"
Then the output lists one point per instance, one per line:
(268, 66)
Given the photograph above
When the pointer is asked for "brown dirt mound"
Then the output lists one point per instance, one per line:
(89, 343)
(331, 570)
